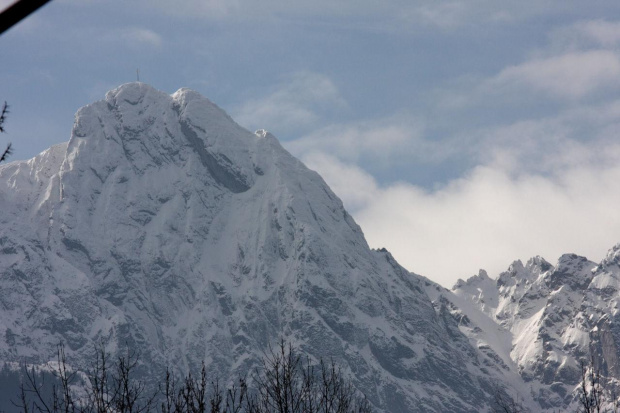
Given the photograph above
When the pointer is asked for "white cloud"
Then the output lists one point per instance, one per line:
(383, 139)
(572, 75)
(543, 145)
(142, 36)
(486, 219)
(567, 77)
(541, 187)
(447, 15)
(294, 104)
(205, 8)
(387, 15)
(586, 34)
(605, 33)
(581, 61)
(454, 14)
(221, 9)
(134, 37)
(354, 186)
(582, 134)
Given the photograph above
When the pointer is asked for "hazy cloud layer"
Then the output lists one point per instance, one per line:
(586, 34)
(578, 62)
(390, 14)
(572, 75)
(294, 104)
(382, 139)
(133, 37)
(487, 218)
(537, 185)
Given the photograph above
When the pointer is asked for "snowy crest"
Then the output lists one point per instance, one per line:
(165, 226)
(551, 318)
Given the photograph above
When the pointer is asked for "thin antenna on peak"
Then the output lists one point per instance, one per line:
(138, 74)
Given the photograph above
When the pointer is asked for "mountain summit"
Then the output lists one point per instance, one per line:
(164, 226)
(545, 321)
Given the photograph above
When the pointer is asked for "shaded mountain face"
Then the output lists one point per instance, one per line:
(164, 226)
(550, 319)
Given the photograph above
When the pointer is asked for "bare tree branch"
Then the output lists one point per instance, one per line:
(3, 113)
(17, 12)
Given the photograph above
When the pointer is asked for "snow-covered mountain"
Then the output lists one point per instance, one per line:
(544, 321)
(164, 226)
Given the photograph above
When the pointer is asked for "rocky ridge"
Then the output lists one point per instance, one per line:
(551, 319)
(164, 226)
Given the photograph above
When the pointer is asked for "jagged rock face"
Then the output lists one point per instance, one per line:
(555, 318)
(164, 226)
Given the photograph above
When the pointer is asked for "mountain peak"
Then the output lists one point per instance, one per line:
(612, 257)
(139, 128)
(185, 94)
(168, 228)
(132, 92)
(538, 265)
(475, 279)
(574, 264)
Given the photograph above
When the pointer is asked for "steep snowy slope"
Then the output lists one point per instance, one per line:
(552, 319)
(165, 226)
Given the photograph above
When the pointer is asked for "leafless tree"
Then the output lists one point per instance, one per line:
(289, 384)
(197, 395)
(106, 391)
(285, 383)
(31, 398)
(32, 390)
(591, 393)
(3, 112)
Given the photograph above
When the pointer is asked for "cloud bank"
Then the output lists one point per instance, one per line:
(535, 185)
(294, 104)
(486, 219)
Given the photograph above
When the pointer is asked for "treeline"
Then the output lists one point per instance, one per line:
(285, 382)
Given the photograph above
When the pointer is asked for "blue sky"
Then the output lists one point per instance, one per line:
(460, 134)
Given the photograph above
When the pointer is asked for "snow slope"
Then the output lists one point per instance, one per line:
(164, 226)
(551, 320)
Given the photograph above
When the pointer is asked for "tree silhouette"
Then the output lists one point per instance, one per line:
(3, 113)
(286, 382)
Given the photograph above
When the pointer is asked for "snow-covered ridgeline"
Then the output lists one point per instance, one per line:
(555, 318)
(165, 226)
